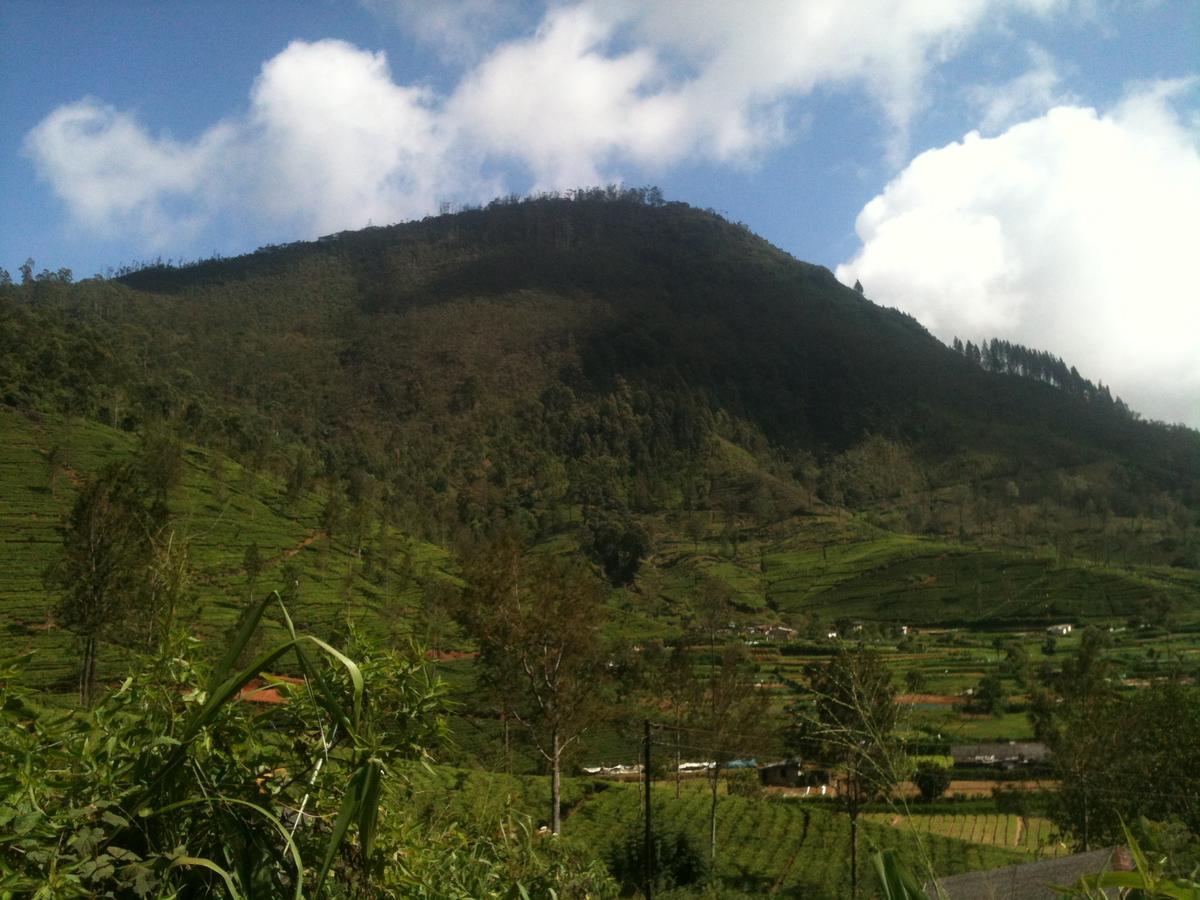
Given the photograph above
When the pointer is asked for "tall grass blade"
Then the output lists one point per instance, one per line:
(896, 882)
(368, 813)
(204, 716)
(347, 814)
(356, 678)
(324, 694)
(271, 820)
(245, 630)
(230, 884)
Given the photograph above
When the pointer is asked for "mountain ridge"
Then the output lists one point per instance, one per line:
(551, 358)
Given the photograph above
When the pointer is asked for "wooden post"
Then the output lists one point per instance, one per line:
(648, 849)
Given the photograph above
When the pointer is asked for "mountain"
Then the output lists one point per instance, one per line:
(644, 381)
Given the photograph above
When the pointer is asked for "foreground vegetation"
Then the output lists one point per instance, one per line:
(168, 785)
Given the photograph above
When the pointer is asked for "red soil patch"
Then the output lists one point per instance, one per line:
(311, 538)
(260, 690)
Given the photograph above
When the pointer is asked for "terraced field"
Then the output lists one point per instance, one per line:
(834, 565)
(785, 847)
(788, 847)
(219, 509)
(1031, 835)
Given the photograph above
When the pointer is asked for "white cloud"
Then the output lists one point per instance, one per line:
(564, 108)
(329, 141)
(1073, 232)
(748, 58)
(1029, 94)
(332, 140)
(458, 29)
(115, 176)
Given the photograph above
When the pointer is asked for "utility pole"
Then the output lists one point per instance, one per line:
(648, 849)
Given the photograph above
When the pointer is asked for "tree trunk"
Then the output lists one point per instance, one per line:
(87, 672)
(678, 760)
(507, 749)
(854, 853)
(555, 782)
(714, 781)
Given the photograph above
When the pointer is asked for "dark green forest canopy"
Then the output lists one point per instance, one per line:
(609, 351)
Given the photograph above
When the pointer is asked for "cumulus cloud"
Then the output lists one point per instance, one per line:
(747, 60)
(1073, 232)
(114, 175)
(459, 30)
(1030, 93)
(563, 107)
(329, 139)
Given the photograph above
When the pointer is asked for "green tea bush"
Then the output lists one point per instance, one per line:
(744, 783)
(679, 861)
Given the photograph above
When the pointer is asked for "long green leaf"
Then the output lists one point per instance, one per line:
(271, 820)
(245, 630)
(1140, 863)
(324, 693)
(356, 678)
(220, 695)
(325, 696)
(230, 884)
(202, 717)
(368, 812)
(346, 815)
(896, 882)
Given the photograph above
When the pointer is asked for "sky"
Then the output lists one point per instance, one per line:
(1022, 169)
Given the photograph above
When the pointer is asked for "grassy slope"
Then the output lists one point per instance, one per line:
(829, 564)
(794, 848)
(837, 566)
(218, 513)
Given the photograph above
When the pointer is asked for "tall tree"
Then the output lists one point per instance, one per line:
(106, 563)
(537, 621)
(671, 678)
(252, 565)
(732, 720)
(1120, 758)
(848, 724)
(1116, 756)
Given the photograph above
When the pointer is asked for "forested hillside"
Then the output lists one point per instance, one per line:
(639, 379)
(616, 338)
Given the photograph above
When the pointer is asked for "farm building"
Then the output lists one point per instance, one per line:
(1008, 754)
(785, 773)
(1059, 630)
(617, 770)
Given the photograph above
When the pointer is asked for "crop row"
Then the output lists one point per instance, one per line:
(1034, 835)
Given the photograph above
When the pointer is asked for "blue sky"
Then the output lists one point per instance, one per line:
(1027, 169)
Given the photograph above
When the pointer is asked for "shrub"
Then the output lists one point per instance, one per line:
(744, 783)
(931, 780)
(678, 860)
